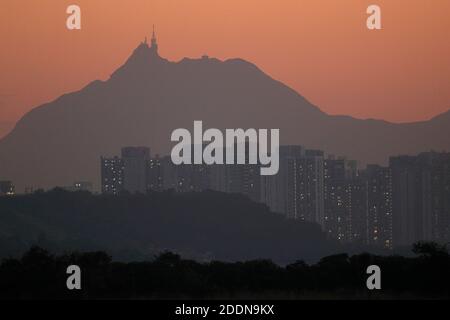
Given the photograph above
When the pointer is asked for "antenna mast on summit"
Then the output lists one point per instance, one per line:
(154, 44)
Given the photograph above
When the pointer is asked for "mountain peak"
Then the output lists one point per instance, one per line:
(143, 50)
(143, 57)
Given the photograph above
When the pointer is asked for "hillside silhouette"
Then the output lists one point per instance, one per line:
(203, 226)
(148, 97)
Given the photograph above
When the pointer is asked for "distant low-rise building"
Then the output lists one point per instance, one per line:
(6, 188)
(83, 186)
(80, 186)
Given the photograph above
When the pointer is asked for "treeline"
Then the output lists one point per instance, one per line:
(41, 275)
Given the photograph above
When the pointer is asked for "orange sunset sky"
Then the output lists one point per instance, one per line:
(321, 48)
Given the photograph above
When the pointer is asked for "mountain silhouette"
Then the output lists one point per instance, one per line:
(148, 97)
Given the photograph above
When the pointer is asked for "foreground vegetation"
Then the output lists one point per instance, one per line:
(39, 274)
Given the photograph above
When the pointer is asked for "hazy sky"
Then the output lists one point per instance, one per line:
(321, 48)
